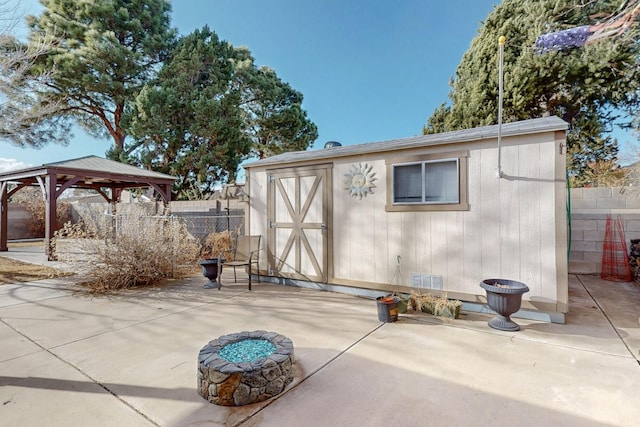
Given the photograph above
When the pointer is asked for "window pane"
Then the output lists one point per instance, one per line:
(407, 183)
(441, 182)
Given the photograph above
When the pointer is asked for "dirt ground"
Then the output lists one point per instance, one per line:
(12, 271)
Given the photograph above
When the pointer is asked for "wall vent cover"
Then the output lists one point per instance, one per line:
(426, 281)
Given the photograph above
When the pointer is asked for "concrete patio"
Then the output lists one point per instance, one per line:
(72, 359)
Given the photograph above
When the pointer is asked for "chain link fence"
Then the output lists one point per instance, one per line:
(199, 224)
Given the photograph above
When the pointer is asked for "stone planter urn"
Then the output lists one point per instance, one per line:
(505, 298)
(210, 270)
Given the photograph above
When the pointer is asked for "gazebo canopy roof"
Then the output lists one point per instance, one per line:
(92, 171)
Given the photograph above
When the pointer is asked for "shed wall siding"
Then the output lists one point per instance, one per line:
(257, 225)
(510, 230)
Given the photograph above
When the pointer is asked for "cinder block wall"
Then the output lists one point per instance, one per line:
(19, 223)
(589, 210)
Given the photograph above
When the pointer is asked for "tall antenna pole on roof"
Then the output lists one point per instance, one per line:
(501, 41)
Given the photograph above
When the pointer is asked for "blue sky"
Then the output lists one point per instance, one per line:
(369, 70)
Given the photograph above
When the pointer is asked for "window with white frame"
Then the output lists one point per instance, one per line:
(434, 181)
(428, 182)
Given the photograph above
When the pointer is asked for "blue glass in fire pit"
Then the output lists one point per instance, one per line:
(246, 350)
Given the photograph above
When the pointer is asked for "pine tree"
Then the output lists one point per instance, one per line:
(581, 85)
(188, 122)
(104, 52)
(211, 108)
(274, 118)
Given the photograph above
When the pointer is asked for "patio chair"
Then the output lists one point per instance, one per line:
(246, 253)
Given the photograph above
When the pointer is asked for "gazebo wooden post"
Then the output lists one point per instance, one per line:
(50, 215)
(4, 215)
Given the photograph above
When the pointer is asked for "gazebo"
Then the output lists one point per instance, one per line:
(107, 177)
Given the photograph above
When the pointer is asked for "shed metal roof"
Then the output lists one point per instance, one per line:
(545, 124)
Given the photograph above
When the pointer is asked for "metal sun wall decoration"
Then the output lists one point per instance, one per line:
(360, 180)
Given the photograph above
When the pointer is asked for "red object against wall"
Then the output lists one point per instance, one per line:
(615, 257)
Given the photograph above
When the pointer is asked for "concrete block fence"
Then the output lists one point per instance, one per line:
(19, 221)
(590, 208)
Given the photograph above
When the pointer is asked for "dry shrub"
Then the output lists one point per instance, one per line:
(216, 243)
(70, 234)
(422, 302)
(142, 252)
(438, 306)
(78, 230)
(32, 200)
(63, 213)
(94, 216)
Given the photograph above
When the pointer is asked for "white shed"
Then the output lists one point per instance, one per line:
(426, 212)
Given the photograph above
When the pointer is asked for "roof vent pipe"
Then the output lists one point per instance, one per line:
(332, 144)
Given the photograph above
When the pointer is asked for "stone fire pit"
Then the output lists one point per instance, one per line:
(245, 367)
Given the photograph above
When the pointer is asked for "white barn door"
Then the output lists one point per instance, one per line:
(297, 214)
